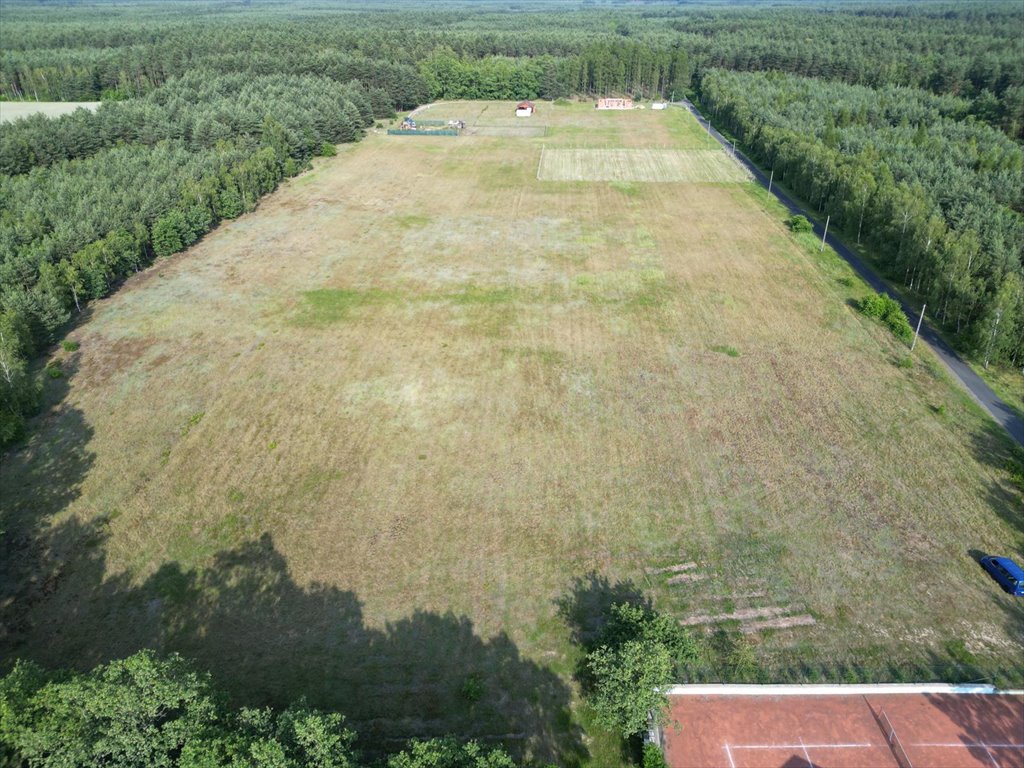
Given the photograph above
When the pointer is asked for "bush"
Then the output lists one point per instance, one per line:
(448, 753)
(887, 310)
(70, 346)
(634, 660)
(328, 150)
(874, 305)
(653, 756)
(799, 224)
(472, 688)
(167, 233)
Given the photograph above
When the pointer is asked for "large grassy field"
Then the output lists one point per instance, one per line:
(374, 438)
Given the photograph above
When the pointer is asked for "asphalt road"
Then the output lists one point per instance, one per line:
(975, 386)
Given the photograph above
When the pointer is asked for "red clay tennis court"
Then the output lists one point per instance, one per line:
(854, 726)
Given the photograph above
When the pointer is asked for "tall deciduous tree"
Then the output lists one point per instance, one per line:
(632, 663)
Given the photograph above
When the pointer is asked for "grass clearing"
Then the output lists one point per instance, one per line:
(355, 446)
(16, 110)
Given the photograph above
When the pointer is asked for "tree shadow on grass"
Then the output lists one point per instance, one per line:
(994, 448)
(1005, 496)
(268, 640)
(39, 478)
(585, 607)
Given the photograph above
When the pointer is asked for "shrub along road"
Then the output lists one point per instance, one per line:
(972, 382)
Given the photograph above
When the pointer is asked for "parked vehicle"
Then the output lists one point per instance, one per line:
(1007, 573)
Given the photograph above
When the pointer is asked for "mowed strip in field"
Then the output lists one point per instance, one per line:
(360, 444)
(692, 165)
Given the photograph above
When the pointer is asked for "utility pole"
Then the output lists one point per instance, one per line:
(920, 320)
(708, 139)
(770, 180)
(825, 233)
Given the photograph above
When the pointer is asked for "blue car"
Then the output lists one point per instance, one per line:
(1009, 575)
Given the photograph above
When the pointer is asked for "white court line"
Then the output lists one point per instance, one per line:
(976, 745)
(807, 756)
(728, 752)
(802, 745)
(983, 744)
(828, 689)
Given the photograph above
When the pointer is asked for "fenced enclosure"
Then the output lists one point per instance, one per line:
(411, 127)
(410, 132)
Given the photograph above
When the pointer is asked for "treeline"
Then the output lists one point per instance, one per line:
(937, 198)
(969, 50)
(148, 710)
(87, 74)
(965, 49)
(194, 152)
(200, 110)
(610, 67)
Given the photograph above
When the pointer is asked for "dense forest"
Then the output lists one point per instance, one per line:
(902, 122)
(968, 49)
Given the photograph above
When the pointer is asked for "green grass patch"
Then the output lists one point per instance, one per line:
(411, 221)
(644, 239)
(326, 306)
(475, 295)
(687, 132)
(725, 349)
(634, 288)
(627, 188)
(194, 419)
(472, 688)
(958, 652)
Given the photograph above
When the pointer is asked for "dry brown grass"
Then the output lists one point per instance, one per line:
(445, 389)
